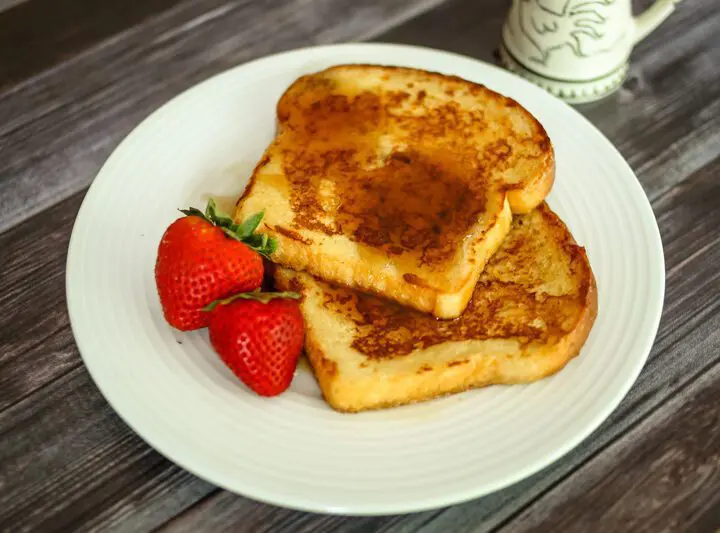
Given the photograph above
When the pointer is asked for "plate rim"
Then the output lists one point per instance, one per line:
(362, 509)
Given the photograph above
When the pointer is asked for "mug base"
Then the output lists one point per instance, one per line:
(572, 92)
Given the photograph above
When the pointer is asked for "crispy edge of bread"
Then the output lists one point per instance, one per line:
(476, 371)
(347, 393)
(525, 199)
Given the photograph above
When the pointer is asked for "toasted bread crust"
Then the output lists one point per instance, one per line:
(397, 181)
(508, 339)
(524, 199)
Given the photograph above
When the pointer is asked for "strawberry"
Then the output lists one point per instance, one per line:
(259, 336)
(203, 257)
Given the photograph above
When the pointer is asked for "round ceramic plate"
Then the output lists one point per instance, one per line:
(294, 450)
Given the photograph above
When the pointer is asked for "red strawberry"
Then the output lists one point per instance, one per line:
(259, 336)
(203, 257)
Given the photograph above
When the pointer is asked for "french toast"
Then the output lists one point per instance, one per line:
(531, 312)
(397, 181)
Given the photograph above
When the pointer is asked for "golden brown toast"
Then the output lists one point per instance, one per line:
(397, 181)
(531, 312)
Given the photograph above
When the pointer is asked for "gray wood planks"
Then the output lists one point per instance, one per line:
(60, 129)
(36, 344)
(57, 128)
(661, 476)
(68, 463)
(41, 33)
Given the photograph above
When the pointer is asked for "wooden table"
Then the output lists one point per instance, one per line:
(78, 75)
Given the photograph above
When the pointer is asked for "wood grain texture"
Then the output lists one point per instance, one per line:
(36, 344)
(68, 463)
(57, 128)
(661, 476)
(38, 34)
(666, 119)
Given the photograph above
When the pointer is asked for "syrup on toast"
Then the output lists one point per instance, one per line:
(397, 181)
(531, 312)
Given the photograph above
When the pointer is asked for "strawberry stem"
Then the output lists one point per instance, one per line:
(263, 297)
(243, 232)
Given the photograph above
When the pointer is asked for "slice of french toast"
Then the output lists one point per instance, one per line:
(531, 312)
(397, 181)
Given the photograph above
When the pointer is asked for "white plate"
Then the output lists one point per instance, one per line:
(295, 451)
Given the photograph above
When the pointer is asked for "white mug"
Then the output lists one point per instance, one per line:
(576, 49)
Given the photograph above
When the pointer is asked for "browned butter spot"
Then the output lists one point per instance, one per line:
(291, 234)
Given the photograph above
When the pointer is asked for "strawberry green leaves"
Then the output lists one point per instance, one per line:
(249, 225)
(263, 297)
(243, 232)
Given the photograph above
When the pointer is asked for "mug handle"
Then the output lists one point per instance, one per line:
(652, 17)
